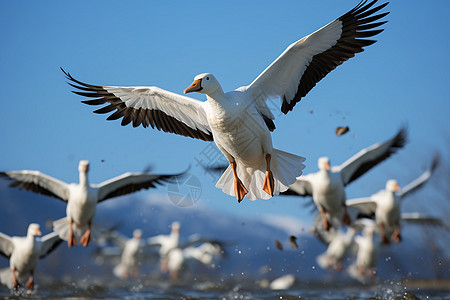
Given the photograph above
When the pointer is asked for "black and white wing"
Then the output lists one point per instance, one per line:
(302, 187)
(39, 183)
(149, 106)
(422, 219)
(49, 243)
(421, 180)
(196, 239)
(113, 236)
(366, 206)
(129, 183)
(304, 63)
(6, 245)
(369, 157)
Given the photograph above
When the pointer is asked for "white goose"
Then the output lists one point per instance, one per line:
(166, 244)
(130, 251)
(204, 253)
(327, 186)
(385, 204)
(24, 253)
(82, 198)
(240, 122)
(367, 251)
(337, 250)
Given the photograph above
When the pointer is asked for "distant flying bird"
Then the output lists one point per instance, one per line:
(168, 243)
(24, 252)
(240, 121)
(204, 253)
(367, 251)
(82, 198)
(327, 186)
(385, 204)
(130, 249)
(337, 250)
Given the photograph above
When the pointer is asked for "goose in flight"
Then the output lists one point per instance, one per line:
(337, 249)
(367, 251)
(166, 243)
(82, 198)
(204, 253)
(131, 253)
(327, 186)
(240, 121)
(385, 204)
(24, 252)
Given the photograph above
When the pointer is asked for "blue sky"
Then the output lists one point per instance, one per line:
(402, 79)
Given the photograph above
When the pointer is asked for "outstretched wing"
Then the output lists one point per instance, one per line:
(369, 157)
(129, 183)
(421, 180)
(304, 63)
(422, 219)
(6, 245)
(49, 243)
(301, 187)
(152, 106)
(39, 183)
(366, 205)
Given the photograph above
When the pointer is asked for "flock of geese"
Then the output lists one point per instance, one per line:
(240, 123)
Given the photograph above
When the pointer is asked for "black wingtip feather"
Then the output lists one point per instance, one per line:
(356, 26)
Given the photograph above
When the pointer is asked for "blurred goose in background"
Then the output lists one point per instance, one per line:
(367, 251)
(385, 204)
(166, 243)
(327, 186)
(130, 251)
(240, 122)
(338, 248)
(82, 198)
(204, 253)
(23, 254)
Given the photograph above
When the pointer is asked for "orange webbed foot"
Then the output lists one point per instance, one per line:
(86, 238)
(269, 183)
(239, 189)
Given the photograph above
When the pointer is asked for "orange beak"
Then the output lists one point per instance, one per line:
(397, 187)
(196, 86)
(327, 166)
(38, 232)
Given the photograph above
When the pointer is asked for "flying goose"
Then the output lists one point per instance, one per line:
(385, 204)
(204, 253)
(240, 122)
(367, 251)
(337, 249)
(131, 253)
(24, 252)
(327, 186)
(82, 198)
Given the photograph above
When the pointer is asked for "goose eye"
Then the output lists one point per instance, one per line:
(207, 78)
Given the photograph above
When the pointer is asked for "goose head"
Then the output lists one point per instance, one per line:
(204, 83)
(324, 163)
(392, 185)
(175, 227)
(34, 230)
(137, 234)
(83, 166)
